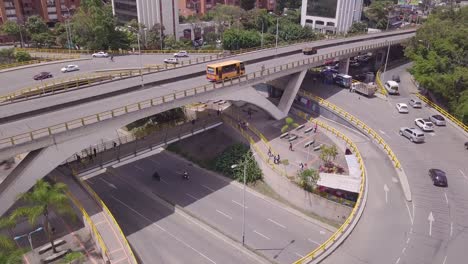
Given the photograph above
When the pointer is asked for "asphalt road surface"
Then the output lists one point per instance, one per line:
(270, 229)
(23, 78)
(444, 239)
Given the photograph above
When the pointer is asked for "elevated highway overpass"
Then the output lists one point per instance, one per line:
(54, 127)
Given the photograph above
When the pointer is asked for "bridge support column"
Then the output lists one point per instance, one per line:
(380, 58)
(290, 92)
(343, 66)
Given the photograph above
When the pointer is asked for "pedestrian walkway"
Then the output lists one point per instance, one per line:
(115, 250)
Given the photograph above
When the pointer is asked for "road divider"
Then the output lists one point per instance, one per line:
(369, 131)
(241, 80)
(443, 112)
(378, 81)
(337, 237)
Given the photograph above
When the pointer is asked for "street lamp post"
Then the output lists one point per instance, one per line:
(29, 236)
(262, 34)
(277, 27)
(243, 194)
(68, 29)
(386, 59)
(139, 53)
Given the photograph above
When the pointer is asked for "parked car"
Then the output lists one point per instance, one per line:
(100, 54)
(171, 61)
(181, 53)
(42, 76)
(438, 120)
(424, 123)
(402, 108)
(396, 78)
(415, 103)
(438, 177)
(69, 68)
(413, 134)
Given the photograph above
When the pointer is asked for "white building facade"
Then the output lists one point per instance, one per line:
(331, 16)
(149, 12)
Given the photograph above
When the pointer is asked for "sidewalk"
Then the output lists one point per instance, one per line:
(112, 239)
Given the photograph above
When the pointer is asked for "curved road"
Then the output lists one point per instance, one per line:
(444, 241)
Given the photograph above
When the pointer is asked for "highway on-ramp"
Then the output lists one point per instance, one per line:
(437, 231)
(271, 229)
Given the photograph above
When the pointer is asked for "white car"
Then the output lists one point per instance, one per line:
(415, 103)
(402, 108)
(424, 124)
(181, 53)
(70, 68)
(413, 134)
(100, 54)
(171, 61)
(438, 120)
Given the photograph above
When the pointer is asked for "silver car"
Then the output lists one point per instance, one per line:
(438, 120)
(413, 134)
(415, 103)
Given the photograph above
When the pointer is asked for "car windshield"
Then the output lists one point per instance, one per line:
(403, 107)
(438, 117)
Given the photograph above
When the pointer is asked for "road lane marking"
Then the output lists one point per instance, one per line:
(262, 235)
(385, 134)
(110, 184)
(164, 181)
(164, 230)
(139, 168)
(299, 255)
(226, 215)
(206, 187)
(322, 232)
(394, 179)
(315, 242)
(408, 240)
(155, 162)
(446, 198)
(239, 204)
(191, 196)
(409, 212)
(276, 223)
(397, 261)
(451, 229)
(403, 251)
(463, 174)
(445, 260)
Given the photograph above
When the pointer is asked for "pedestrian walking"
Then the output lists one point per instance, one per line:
(301, 165)
(95, 152)
(115, 144)
(290, 146)
(269, 152)
(274, 160)
(315, 128)
(278, 159)
(193, 121)
(78, 158)
(218, 112)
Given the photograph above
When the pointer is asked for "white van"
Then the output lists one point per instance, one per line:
(392, 87)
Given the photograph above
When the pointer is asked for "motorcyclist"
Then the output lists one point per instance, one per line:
(185, 175)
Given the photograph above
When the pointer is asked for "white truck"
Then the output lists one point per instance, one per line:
(367, 89)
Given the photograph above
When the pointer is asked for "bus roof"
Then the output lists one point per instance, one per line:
(215, 65)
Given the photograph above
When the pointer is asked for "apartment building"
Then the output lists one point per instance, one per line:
(51, 11)
(192, 7)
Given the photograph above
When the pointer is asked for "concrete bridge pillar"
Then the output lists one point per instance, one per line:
(290, 92)
(380, 58)
(343, 66)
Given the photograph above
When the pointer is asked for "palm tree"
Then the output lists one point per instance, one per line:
(9, 252)
(43, 198)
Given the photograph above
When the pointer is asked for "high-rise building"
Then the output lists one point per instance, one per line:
(149, 12)
(334, 16)
(51, 11)
(192, 7)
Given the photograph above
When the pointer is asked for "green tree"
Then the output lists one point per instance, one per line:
(238, 154)
(11, 28)
(358, 27)
(247, 4)
(43, 39)
(307, 179)
(35, 25)
(7, 55)
(22, 56)
(289, 124)
(73, 257)
(9, 252)
(154, 36)
(282, 4)
(40, 202)
(328, 153)
(439, 52)
(377, 13)
(226, 15)
(234, 39)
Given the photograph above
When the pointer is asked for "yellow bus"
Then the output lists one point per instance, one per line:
(225, 70)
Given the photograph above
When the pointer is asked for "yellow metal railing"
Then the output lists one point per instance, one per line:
(94, 230)
(442, 111)
(357, 122)
(291, 66)
(378, 81)
(44, 58)
(329, 242)
(17, 64)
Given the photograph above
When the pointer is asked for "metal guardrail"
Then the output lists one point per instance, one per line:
(244, 79)
(94, 230)
(443, 112)
(378, 80)
(357, 122)
(333, 238)
(17, 64)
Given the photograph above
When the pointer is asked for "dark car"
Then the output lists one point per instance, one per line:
(438, 177)
(466, 145)
(396, 78)
(42, 76)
